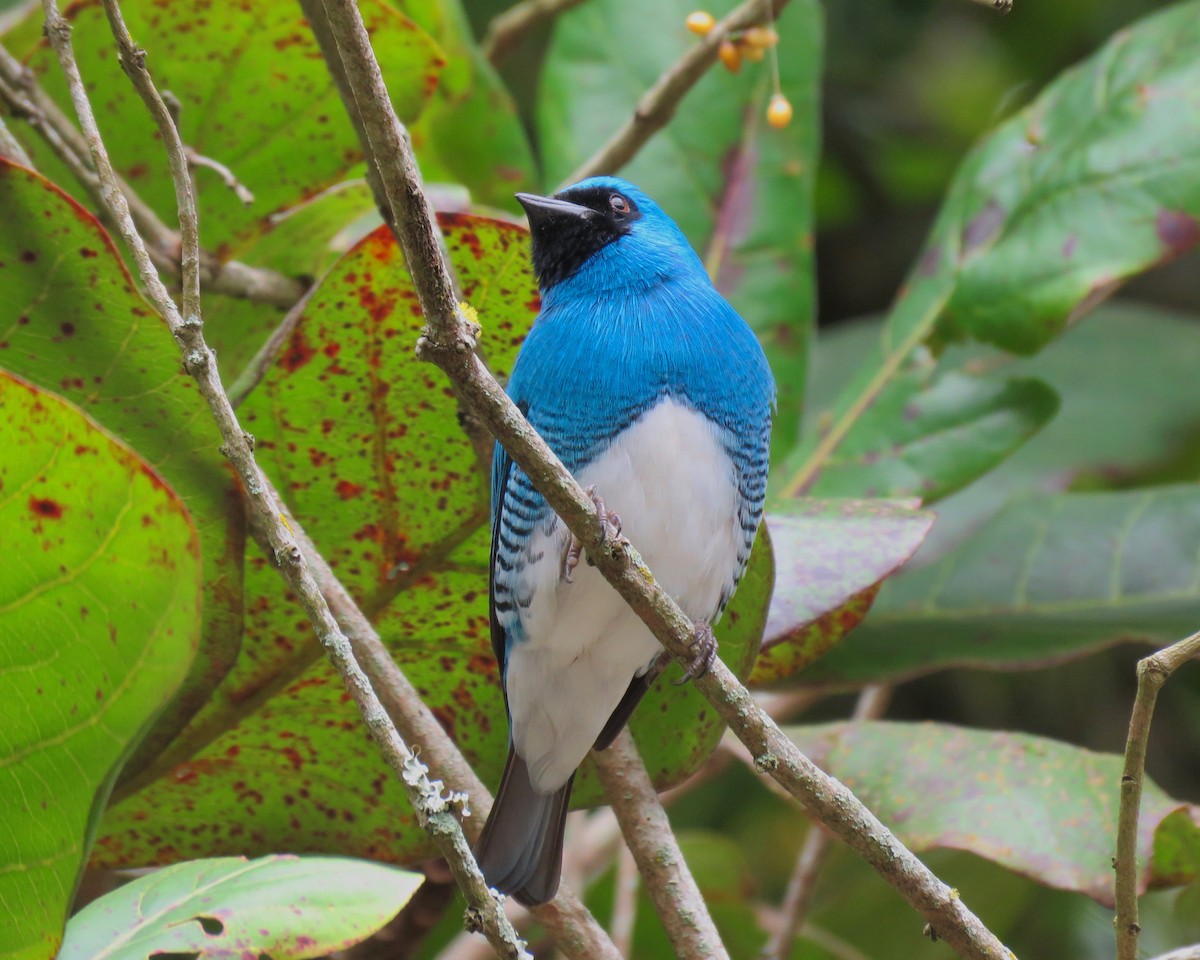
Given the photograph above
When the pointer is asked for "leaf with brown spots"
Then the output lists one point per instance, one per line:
(71, 321)
(100, 615)
(364, 440)
(831, 557)
(288, 908)
(254, 93)
(1046, 809)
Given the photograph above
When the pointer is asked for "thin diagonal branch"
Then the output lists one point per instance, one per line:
(658, 104)
(30, 102)
(10, 147)
(648, 835)
(449, 340)
(433, 810)
(872, 704)
(507, 29)
(1153, 672)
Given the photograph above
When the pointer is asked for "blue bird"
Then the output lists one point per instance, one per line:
(656, 395)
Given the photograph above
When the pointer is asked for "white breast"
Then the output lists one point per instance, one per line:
(674, 487)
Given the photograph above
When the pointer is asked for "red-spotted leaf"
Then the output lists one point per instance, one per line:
(1045, 809)
(254, 94)
(365, 442)
(99, 615)
(831, 556)
(289, 908)
(72, 321)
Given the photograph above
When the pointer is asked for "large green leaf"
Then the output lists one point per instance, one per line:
(1098, 179)
(1045, 578)
(830, 557)
(254, 94)
(71, 320)
(470, 134)
(746, 199)
(1121, 423)
(286, 907)
(1043, 808)
(99, 614)
(365, 444)
(926, 435)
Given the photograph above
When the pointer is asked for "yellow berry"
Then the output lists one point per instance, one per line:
(700, 22)
(779, 113)
(730, 56)
(753, 54)
(761, 37)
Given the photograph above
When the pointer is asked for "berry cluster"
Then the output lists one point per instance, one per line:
(750, 44)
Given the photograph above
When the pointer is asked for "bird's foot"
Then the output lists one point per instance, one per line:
(610, 528)
(704, 650)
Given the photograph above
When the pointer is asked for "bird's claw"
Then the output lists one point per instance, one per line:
(703, 646)
(610, 528)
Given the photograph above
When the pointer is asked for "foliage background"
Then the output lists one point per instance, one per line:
(908, 87)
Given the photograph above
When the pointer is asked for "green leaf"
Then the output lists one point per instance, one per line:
(364, 442)
(99, 608)
(470, 134)
(254, 95)
(72, 321)
(1045, 809)
(927, 435)
(1094, 182)
(746, 201)
(288, 907)
(1045, 578)
(831, 557)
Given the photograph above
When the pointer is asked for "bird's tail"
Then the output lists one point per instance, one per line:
(520, 849)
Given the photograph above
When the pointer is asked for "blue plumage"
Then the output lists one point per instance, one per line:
(647, 384)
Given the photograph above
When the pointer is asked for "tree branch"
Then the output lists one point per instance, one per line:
(625, 902)
(27, 100)
(449, 340)
(872, 704)
(658, 104)
(11, 149)
(1153, 672)
(509, 28)
(649, 837)
(433, 809)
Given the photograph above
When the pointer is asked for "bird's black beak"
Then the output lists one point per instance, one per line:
(542, 210)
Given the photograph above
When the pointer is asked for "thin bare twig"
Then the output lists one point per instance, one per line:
(433, 809)
(11, 149)
(872, 704)
(26, 99)
(449, 340)
(228, 177)
(649, 837)
(1153, 672)
(658, 104)
(507, 29)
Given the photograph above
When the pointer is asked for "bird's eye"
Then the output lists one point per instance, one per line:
(618, 204)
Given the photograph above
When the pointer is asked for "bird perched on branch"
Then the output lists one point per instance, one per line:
(657, 397)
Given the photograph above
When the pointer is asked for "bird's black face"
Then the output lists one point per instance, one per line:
(571, 227)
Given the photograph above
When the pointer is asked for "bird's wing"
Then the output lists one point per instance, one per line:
(501, 471)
